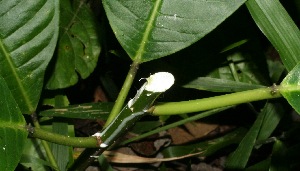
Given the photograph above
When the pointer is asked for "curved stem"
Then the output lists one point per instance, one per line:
(84, 142)
(174, 108)
(123, 93)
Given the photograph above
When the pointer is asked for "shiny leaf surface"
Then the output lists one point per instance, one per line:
(12, 132)
(148, 30)
(290, 88)
(275, 22)
(28, 35)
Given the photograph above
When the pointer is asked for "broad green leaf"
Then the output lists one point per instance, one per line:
(148, 30)
(220, 85)
(290, 87)
(12, 129)
(78, 46)
(28, 35)
(274, 21)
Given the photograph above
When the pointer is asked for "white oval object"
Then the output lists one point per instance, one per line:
(160, 82)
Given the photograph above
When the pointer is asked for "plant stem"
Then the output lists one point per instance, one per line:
(132, 112)
(84, 142)
(45, 144)
(174, 108)
(175, 124)
(123, 93)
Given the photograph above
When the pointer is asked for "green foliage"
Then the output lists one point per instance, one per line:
(78, 45)
(12, 136)
(29, 32)
(290, 88)
(149, 30)
(279, 28)
(259, 132)
(49, 53)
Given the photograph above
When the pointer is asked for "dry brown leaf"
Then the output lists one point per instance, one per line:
(192, 131)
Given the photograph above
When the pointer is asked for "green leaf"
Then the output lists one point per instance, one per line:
(276, 70)
(78, 47)
(220, 85)
(28, 35)
(262, 165)
(34, 156)
(239, 158)
(12, 129)
(83, 111)
(279, 160)
(61, 152)
(241, 73)
(274, 21)
(273, 114)
(207, 147)
(290, 87)
(148, 30)
(104, 164)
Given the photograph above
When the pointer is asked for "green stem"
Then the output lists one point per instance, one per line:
(123, 93)
(169, 109)
(175, 124)
(233, 69)
(174, 108)
(45, 144)
(83, 142)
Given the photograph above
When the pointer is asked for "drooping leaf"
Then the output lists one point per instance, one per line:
(290, 87)
(28, 35)
(149, 30)
(78, 47)
(274, 21)
(12, 129)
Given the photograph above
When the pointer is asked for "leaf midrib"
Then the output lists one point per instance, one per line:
(138, 57)
(16, 76)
